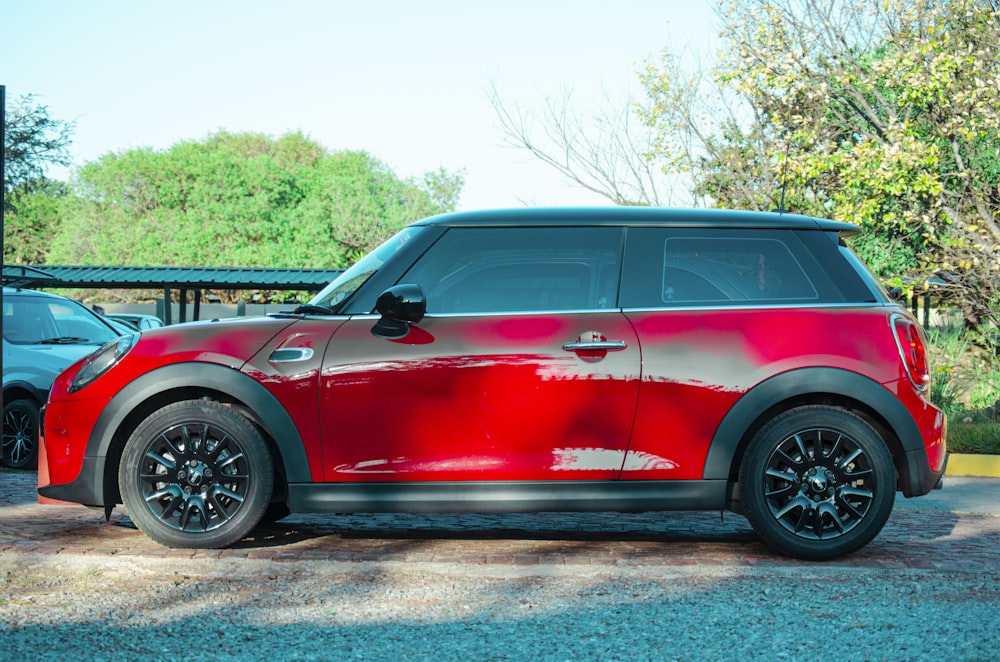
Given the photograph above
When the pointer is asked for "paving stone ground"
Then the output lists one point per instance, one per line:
(913, 538)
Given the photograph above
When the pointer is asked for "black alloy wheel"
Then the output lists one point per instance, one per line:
(817, 482)
(20, 434)
(196, 474)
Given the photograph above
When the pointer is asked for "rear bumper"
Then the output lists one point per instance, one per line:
(920, 479)
(924, 443)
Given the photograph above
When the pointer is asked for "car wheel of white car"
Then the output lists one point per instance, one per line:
(20, 434)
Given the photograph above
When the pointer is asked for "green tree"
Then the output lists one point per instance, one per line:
(882, 114)
(241, 199)
(34, 211)
(353, 203)
(34, 140)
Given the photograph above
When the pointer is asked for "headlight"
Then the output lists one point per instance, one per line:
(102, 360)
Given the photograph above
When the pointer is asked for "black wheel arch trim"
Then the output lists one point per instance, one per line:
(91, 486)
(915, 474)
(13, 389)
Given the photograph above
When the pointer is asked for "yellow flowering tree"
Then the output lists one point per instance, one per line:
(884, 114)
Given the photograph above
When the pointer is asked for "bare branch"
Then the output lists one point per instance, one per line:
(604, 153)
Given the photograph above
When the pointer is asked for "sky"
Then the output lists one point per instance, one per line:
(407, 82)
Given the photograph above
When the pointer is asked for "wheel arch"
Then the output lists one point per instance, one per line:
(23, 390)
(861, 395)
(191, 381)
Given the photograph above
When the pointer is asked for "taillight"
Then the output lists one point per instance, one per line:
(910, 340)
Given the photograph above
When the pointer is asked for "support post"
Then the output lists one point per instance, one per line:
(167, 308)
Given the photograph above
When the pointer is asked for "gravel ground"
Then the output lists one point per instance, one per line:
(557, 587)
(127, 608)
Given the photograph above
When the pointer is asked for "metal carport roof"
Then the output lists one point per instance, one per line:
(185, 278)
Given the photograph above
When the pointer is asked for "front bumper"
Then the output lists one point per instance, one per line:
(65, 474)
(43, 468)
(87, 489)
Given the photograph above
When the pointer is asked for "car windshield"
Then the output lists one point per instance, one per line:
(31, 320)
(340, 290)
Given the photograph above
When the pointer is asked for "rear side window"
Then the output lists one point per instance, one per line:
(490, 270)
(710, 269)
(677, 267)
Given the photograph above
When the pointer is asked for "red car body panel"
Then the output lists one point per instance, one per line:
(698, 363)
(482, 398)
(70, 418)
(295, 384)
(67, 432)
(930, 421)
(479, 398)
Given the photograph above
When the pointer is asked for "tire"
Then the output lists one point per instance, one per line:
(196, 474)
(20, 434)
(817, 482)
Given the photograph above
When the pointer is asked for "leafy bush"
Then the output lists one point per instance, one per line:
(981, 437)
(966, 386)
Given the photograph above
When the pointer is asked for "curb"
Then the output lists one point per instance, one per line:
(983, 466)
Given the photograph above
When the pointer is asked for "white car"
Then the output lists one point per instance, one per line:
(43, 334)
(140, 322)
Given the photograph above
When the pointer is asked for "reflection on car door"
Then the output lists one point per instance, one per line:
(484, 398)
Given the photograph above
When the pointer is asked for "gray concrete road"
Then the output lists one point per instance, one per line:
(959, 495)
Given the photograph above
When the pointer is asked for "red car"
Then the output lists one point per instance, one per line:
(615, 359)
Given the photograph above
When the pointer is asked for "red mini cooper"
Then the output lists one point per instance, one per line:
(612, 359)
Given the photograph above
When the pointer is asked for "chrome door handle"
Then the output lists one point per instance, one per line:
(290, 355)
(595, 346)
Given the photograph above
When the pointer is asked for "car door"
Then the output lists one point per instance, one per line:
(523, 367)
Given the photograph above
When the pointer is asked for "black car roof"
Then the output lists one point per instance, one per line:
(663, 216)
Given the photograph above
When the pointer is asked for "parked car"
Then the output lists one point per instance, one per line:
(616, 359)
(122, 328)
(135, 321)
(42, 335)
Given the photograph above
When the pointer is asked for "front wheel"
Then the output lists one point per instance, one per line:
(196, 474)
(817, 482)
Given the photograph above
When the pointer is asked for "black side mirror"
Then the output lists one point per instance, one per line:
(399, 307)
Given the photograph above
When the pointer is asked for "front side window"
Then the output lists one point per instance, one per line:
(493, 270)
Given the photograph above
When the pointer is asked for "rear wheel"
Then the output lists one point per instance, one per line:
(196, 474)
(817, 482)
(20, 434)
